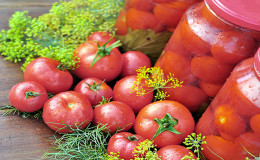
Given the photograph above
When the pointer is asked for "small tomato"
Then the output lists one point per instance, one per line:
(67, 109)
(28, 96)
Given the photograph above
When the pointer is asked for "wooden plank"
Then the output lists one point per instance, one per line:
(20, 139)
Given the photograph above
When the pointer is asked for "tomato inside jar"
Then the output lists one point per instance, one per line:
(209, 41)
(146, 25)
(234, 114)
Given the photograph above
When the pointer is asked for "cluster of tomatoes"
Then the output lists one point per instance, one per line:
(100, 62)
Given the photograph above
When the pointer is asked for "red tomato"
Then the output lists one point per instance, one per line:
(120, 24)
(211, 89)
(102, 36)
(178, 65)
(206, 124)
(124, 144)
(210, 69)
(218, 147)
(174, 152)
(46, 72)
(168, 117)
(122, 92)
(255, 123)
(107, 68)
(190, 96)
(118, 116)
(67, 108)
(231, 47)
(195, 37)
(228, 121)
(136, 19)
(165, 12)
(28, 96)
(94, 89)
(213, 20)
(132, 60)
(143, 5)
(248, 142)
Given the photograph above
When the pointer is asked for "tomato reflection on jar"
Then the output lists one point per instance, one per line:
(207, 44)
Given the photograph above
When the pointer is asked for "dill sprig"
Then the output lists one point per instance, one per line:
(155, 80)
(194, 142)
(57, 33)
(9, 109)
(88, 143)
(146, 150)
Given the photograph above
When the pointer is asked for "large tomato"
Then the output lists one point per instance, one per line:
(67, 109)
(124, 144)
(94, 89)
(49, 73)
(28, 96)
(99, 60)
(166, 122)
(117, 116)
(174, 152)
(122, 92)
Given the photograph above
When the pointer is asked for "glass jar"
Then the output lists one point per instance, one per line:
(146, 25)
(232, 121)
(211, 38)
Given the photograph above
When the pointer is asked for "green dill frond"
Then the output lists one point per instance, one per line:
(155, 80)
(89, 143)
(146, 150)
(194, 142)
(59, 32)
(9, 109)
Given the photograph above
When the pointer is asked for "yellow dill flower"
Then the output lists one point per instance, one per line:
(154, 78)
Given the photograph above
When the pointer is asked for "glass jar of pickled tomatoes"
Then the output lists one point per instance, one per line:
(231, 123)
(211, 38)
(146, 25)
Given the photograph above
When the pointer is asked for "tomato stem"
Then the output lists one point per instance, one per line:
(95, 87)
(105, 51)
(32, 94)
(167, 123)
(61, 67)
(132, 138)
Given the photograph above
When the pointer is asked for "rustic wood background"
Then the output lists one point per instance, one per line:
(20, 139)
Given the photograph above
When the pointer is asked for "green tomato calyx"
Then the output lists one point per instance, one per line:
(105, 51)
(94, 87)
(132, 138)
(32, 94)
(167, 123)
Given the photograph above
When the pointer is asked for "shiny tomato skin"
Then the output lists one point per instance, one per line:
(101, 36)
(118, 116)
(44, 70)
(102, 89)
(17, 96)
(107, 68)
(122, 92)
(119, 143)
(255, 123)
(146, 127)
(143, 5)
(67, 108)
(174, 152)
(133, 60)
(231, 47)
(218, 147)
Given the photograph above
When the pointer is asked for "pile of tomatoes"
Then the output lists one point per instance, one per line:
(103, 96)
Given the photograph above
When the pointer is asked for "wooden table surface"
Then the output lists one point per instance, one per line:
(20, 139)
